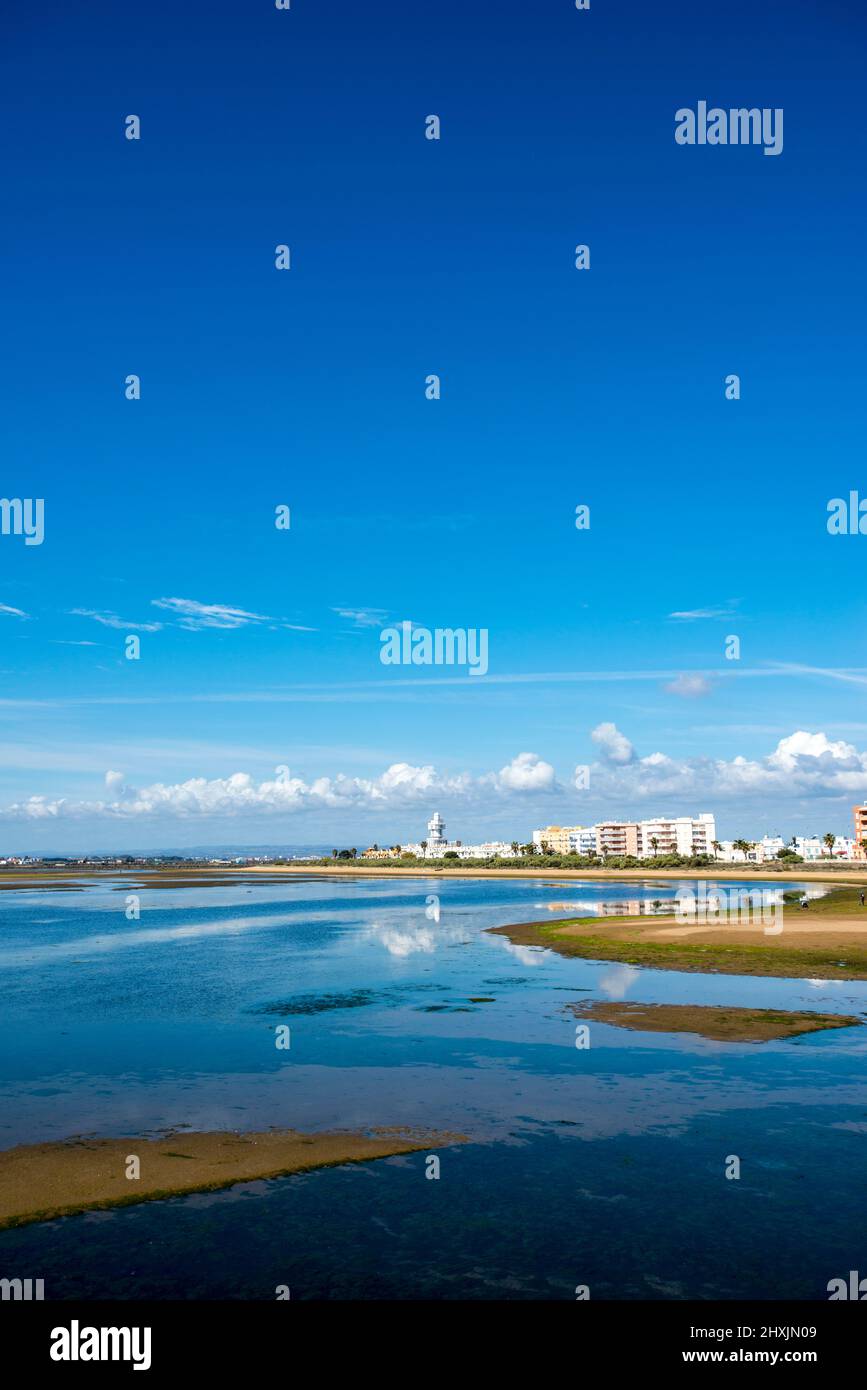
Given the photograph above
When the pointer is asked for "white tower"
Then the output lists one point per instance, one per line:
(435, 832)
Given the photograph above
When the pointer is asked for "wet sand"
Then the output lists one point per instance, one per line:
(42, 1181)
(718, 1022)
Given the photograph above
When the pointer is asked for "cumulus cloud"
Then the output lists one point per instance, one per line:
(401, 784)
(690, 687)
(240, 794)
(803, 764)
(526, 773)
(613, 745)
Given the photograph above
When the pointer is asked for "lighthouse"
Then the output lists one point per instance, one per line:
(435, 834)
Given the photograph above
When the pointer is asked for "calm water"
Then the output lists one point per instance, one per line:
(602, 1167)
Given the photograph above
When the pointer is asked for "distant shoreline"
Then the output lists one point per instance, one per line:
(837, 877)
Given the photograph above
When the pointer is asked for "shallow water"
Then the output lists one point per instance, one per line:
(603, 1166)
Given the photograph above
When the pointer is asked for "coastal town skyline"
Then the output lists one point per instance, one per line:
(647, 838)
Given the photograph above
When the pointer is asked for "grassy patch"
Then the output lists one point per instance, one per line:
(623, 941)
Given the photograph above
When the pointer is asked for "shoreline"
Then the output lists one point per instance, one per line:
(848, 877)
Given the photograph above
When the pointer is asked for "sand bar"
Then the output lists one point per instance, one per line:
(718, 1022)
(42, 1181)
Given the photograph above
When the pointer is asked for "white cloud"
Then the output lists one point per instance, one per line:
(614, 745)
(112, 620)
(617, 983)
(691, 615)
(690, 687)
(194, 615)
(363, 617)
(803, 764)
(12, 612)
(526, 773)
(238, 795)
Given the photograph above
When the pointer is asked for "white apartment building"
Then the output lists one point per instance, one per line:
(645, 839)
(677, 835)
(582, 841)
(809, 847)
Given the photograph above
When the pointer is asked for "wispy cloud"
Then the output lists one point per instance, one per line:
(194, 615)
(692, 615)
(112, 620)
(400, 688)
(12, 612)
(363, 617)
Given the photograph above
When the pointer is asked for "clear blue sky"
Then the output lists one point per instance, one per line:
(306, 387)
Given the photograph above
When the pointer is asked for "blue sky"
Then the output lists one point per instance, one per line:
(306, 387)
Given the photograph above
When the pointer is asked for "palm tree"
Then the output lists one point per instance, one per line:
(515, 848)
(654, 843)
(334, 854)
(829, 841)
(716, 847)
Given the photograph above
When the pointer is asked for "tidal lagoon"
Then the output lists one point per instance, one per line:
(353, 1006)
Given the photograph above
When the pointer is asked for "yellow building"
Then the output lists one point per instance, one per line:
(860, 831)
(556, 837)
